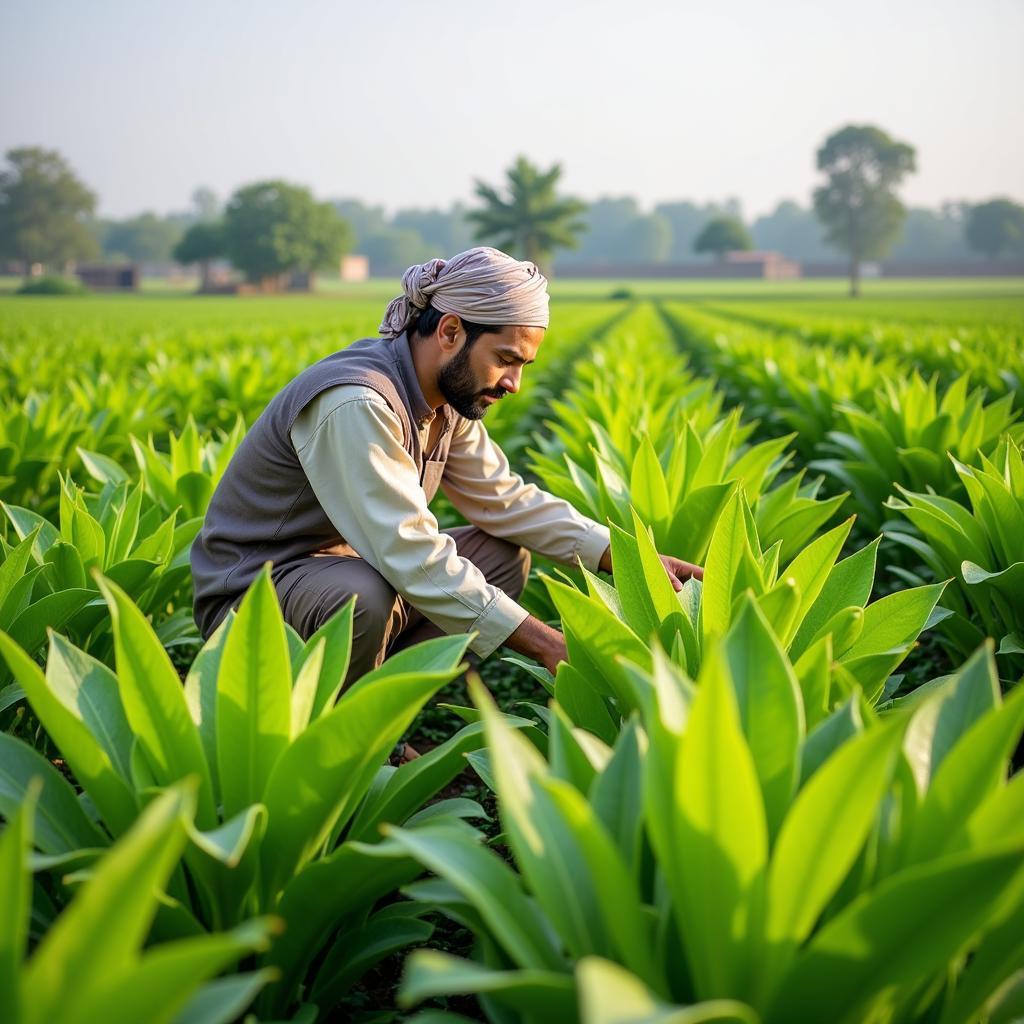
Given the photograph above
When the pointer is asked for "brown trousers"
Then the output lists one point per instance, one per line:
(313, 588)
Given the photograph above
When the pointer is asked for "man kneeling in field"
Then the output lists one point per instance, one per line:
(332, 482)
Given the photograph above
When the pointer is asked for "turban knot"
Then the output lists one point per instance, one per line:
(483, 285)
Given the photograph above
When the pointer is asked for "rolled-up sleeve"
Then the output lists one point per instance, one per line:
(349, 443)
(480, 484)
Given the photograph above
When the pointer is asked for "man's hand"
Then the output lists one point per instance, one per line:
(539, 641)
(678, 571)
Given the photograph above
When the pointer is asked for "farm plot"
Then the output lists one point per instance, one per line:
(788, 793)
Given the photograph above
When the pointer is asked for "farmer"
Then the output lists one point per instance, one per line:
(332, 482)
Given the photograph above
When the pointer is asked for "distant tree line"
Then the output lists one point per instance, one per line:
(267, 228)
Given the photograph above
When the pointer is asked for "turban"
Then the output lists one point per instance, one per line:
(484, 285)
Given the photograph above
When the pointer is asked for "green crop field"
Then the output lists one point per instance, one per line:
(790, 793)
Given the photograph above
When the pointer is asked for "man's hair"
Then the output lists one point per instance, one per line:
(428, 320)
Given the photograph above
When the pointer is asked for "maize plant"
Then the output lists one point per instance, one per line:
(287, 779)
(982, 548)
(716, 862)
(93, 963)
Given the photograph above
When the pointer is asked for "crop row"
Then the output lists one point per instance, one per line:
(728, 807)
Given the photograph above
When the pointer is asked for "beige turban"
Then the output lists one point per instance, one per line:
(484, 285)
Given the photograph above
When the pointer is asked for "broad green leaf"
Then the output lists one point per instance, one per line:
(998, 957)
(822, 835)
(814, 674)
(948, 712)
(101, 468)
(340, 886)
(321, 776)
(64, 567)
(154, 701)
(848, 584)
(14, 565)
(723, 568)
(27, 523)
(53, 611)
(647, 487)
(536, 994)
(254, 689)
(305, 687)
(491, 887)
(354, 954)
(890, 939)
(811, 569)
(970, 771)
(72, 680)
(720, 841)
(201, 694)
(228, 842)
(223, 1000)
(117, 903)
(770, 708)
(663, 594)
(160, 985)
(635, 596)
(594, 637)
(61, 825)
(845, 629)
(415, 782)
(336, 633)
(566, 756)
(780, 606)
(616, 793)
(895, 620)
(15, 903)
(609, 994)
(581, 700)
(568, 860)
(831, 733)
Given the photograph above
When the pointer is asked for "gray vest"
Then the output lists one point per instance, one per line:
(264, 509)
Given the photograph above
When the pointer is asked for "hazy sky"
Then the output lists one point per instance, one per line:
(406, 103)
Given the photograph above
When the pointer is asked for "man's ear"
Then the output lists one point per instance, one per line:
(448, 333)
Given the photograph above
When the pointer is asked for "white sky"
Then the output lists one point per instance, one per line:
(405, 103)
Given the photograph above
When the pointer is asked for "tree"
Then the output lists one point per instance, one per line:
(391, 250)
(272, 227)
(685, 220)
(146, 238)
(206, 204)
(445, 232)
(996, 227)
(533, 221)
(364, 220)
(202, 243)
(45, 211)
(858, 205)
(722, 235)
(792, 230)
(934, 234)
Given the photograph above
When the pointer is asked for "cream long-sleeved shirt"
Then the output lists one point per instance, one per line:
(349, 443)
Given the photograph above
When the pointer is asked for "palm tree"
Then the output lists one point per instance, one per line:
(533, 221)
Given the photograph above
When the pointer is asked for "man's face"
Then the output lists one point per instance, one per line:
(480, 375)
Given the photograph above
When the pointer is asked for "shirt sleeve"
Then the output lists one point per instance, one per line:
(480, 484)
(349, 443)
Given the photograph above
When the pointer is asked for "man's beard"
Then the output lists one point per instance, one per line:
(460, 388)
